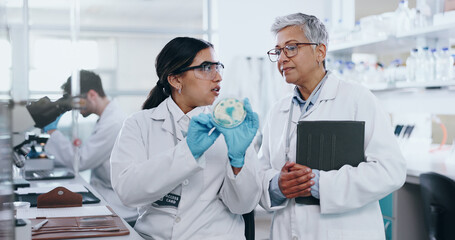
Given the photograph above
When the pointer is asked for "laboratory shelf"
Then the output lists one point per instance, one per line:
(410, 85)
(438, 31)
(433, 84)
(394, 43)
(357, 45)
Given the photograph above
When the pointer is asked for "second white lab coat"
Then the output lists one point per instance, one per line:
(349, 207)
(94, 154)
(146, 165)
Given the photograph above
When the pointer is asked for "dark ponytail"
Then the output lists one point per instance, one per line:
(177, 54)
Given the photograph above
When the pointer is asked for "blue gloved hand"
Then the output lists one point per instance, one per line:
(52, 125)
(239, 138)
(198, 138)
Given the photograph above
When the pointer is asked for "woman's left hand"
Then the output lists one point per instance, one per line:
(239, 138)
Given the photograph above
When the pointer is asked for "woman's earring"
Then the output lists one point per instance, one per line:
(180, 90)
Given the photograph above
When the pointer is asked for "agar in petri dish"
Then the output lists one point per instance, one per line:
(229, 113)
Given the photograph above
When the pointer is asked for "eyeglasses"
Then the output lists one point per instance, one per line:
(290, 50)
(205, 71)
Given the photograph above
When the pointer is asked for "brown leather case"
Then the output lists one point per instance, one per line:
(80, 227)
(59, 197)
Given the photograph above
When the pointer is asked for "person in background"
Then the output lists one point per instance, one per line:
(189, 179)
(348, 197)
(95, 152)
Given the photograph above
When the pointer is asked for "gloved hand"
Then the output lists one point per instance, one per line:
(198, 138)
(52, 125)
(239, 138)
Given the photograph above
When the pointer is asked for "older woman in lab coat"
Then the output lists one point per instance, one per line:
(349, 207)
(187, 181)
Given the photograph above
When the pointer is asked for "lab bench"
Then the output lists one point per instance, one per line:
(79, 180)
(403, 209)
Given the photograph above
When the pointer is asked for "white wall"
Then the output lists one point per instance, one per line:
(244, 26)
(244, 31)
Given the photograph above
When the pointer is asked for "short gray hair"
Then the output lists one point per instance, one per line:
(311, 26)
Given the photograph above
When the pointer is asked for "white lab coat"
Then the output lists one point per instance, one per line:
(94, 154)
(349, 207)
(146, 165)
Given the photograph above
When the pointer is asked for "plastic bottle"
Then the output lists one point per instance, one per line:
(392, 69)
(450, 66)
(420, 66)
(428, 65)
(444, 65)
(453, 67)
(338, 68)
(432, 64)
(438, 68)
(349, 74)
(403, 17)
(420, 20)
(328, 25)
(411, 66)
(360, 72)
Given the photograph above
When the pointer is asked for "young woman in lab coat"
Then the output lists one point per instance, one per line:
(188, 182)
(349, 207)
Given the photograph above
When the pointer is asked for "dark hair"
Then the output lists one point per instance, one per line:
(177, 54)
(89, 81)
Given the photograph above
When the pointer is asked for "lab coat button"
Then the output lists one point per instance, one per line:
(186, 182)
(295, 238)
(177, 219)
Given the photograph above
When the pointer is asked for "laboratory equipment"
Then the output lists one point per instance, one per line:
(30, 154)
(44, 111)
(229, 113)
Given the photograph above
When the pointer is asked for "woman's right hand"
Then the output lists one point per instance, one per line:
(198, 138)
(239, 138)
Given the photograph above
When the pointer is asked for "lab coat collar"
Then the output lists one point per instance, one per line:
(328, 92)
(110, 108)
(160, 112)
(168, 106)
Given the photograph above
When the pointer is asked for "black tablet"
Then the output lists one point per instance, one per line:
(49, 174)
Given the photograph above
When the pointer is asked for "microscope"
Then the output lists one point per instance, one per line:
(30, 154)
(32, 150)
(44, 111)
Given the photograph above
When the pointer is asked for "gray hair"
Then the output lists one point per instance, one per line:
(311, 26)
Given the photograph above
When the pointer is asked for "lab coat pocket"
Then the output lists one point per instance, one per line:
(360, 224)
(149, 216)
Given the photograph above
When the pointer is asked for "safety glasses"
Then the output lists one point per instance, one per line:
(205, 71)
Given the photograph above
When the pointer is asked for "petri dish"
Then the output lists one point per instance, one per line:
(229, 113)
